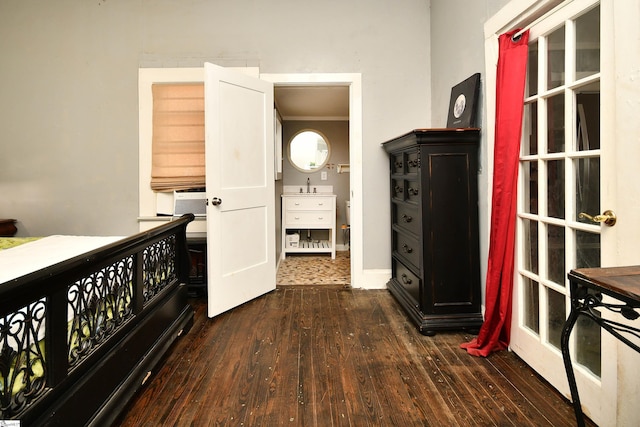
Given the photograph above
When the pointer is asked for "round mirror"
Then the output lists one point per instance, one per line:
(308, 151)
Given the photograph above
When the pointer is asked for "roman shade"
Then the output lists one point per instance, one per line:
(178, 136)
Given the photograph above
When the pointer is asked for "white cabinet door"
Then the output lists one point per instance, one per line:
(240, 188)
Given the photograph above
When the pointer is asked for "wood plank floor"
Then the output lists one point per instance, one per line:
(332, 356)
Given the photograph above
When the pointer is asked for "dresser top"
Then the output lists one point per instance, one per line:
(440, 131)
(444, 130)
(434, 136)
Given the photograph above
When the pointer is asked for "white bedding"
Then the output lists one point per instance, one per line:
(33, 256)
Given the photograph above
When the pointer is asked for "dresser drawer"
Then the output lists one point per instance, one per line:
(407, 247)
(412, 191)
(406, 190)
(406, 162)
(409, 281)
(397, 163)
(397, 189)
(309, 203)
(412, 159)
(308, 219)
(407, 217)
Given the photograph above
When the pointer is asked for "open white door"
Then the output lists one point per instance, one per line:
(240, 188)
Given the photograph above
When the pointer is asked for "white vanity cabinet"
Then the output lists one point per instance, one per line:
(304, 212)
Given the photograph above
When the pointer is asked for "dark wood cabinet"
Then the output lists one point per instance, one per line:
(8, 227)
(434, 227)
(198, 260)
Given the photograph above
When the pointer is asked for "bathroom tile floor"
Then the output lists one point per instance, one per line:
(315, 269)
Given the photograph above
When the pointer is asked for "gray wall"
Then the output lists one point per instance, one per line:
(68, 88)
(68, 91)
(457, 52)
(457, 49)
(68, 115)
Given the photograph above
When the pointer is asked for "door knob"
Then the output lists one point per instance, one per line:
(216, 201)
(608, 217)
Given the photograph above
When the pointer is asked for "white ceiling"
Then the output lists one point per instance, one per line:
(312, 102)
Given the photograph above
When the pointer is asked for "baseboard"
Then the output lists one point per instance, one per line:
(375, 278)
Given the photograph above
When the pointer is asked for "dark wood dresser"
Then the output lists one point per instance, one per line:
(8, 227)
(434, 227)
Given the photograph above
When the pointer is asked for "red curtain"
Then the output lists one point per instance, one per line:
(510, 80)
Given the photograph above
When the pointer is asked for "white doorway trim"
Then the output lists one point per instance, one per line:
(354, 81)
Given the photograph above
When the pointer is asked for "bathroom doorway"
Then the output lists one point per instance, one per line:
(303, 97)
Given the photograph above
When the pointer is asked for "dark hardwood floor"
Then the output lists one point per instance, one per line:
(332, 356)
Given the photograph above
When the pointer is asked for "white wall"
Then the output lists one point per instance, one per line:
(68, 85)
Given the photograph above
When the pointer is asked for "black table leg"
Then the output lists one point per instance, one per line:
(566, 356)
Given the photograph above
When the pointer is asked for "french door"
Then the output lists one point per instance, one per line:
(562, 176)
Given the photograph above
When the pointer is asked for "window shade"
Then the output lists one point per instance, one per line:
(178, 137)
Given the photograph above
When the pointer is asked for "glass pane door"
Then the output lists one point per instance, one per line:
(559, 179)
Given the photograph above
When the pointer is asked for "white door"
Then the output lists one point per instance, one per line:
(569, 166)
(240, 188)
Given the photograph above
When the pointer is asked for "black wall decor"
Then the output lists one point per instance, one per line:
(463, 105)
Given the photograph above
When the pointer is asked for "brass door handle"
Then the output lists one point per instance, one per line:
(607, 217)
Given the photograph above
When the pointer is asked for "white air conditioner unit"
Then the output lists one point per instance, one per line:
(194, 202)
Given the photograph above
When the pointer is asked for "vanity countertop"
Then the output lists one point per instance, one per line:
(314, 190)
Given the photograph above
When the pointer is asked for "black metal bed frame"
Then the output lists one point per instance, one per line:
(79, 338)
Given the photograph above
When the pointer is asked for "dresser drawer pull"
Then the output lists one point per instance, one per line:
(406, 280)
(414, 163)
(413, 191)
(407, 249)
(397, 189)
(320, 218)
(407, 218)
(398, 165)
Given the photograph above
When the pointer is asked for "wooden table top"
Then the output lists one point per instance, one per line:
(618, 281)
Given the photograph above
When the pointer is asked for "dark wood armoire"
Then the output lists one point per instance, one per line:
(434, 227)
